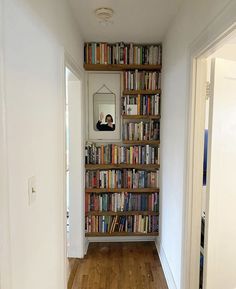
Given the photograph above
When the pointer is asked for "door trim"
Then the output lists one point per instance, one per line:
(5, 240)
(211, 38)
(75, 68)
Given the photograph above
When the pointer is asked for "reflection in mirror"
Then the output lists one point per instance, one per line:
(104, 107)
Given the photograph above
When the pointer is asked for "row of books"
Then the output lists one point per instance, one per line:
(121, 202)
(142, 80)
(129, 224)
(141, 130)
(114, 154)
(117, 179)
(121, 53)
(141, 104)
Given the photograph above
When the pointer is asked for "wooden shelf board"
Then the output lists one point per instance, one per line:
(122, 166)
(141, 91)
(146, 190)
(119, 234)
(143, 142)
(141, 116)
(126, 213)
(120, 67)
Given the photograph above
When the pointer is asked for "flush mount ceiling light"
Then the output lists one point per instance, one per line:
(104, 15)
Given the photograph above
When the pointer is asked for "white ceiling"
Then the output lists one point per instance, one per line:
(133, 20)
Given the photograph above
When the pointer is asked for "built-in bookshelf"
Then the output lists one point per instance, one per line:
(122, 180)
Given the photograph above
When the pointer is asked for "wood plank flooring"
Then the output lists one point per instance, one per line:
(119, 266)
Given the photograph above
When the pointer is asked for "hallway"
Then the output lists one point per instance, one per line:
(119, 266)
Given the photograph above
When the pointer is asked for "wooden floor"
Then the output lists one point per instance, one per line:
(119, 266)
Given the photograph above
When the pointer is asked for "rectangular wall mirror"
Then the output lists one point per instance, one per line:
(104, 111)
(104, 106)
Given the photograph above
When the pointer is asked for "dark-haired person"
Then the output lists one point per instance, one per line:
(108, 126)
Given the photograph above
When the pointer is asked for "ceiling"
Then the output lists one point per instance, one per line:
(137, 21)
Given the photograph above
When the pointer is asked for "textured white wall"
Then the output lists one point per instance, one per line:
(35, 33)
(192, 19)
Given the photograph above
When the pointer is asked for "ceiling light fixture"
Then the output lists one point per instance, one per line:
(104, 15)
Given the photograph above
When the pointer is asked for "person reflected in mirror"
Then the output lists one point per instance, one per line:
(108, 126)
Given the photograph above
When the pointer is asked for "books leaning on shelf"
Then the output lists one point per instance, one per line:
(128, 224)
(114, 154)
(117, 179)
(121, 53)
(121, 202)
(141, 104)
(141, 80)
(141, 130)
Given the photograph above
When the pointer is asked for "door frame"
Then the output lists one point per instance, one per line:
(75, 68)
(210, 39)
(5, 240)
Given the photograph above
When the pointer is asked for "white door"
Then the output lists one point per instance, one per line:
(220, 244)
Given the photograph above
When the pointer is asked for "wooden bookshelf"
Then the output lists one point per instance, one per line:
(142, 142)
(122, 166)
(124, 213)
(134, 92)
(148, 101)
(141, 116)
(120, 234)
(120, 67)
(99, 191)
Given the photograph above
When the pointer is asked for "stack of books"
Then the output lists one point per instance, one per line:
(141, 130)
(117, 179)
(141, 104)
(121, 202)
(114, 154)
(128, 224)
(122, 53)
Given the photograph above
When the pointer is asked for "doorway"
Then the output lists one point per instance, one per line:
(213, 220)
(74, 145)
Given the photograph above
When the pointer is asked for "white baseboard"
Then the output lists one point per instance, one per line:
(121, 239)
(165, 266)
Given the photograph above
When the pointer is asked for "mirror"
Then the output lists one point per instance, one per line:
(104, 109)
(104, 99)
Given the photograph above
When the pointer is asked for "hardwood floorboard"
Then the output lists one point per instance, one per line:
(120, 266)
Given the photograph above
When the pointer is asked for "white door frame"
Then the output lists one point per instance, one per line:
(210, 39)
(71, 64)
(5, 252)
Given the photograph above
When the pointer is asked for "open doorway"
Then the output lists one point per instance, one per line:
(213, 233)
(74, 167)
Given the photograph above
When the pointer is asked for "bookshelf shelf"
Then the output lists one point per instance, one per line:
(141, 116)
(145, 190)
(124, 213)
(142, 142)
(120, 234)
(135, 92)
(120, 67)
(122, 166)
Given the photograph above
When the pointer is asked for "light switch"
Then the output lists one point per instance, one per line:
(32, 189)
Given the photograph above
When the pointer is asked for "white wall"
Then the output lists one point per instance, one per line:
(192, 19)
(35, 33)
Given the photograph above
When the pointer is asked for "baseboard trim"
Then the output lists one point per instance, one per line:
(121, 239)
(165, 266)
